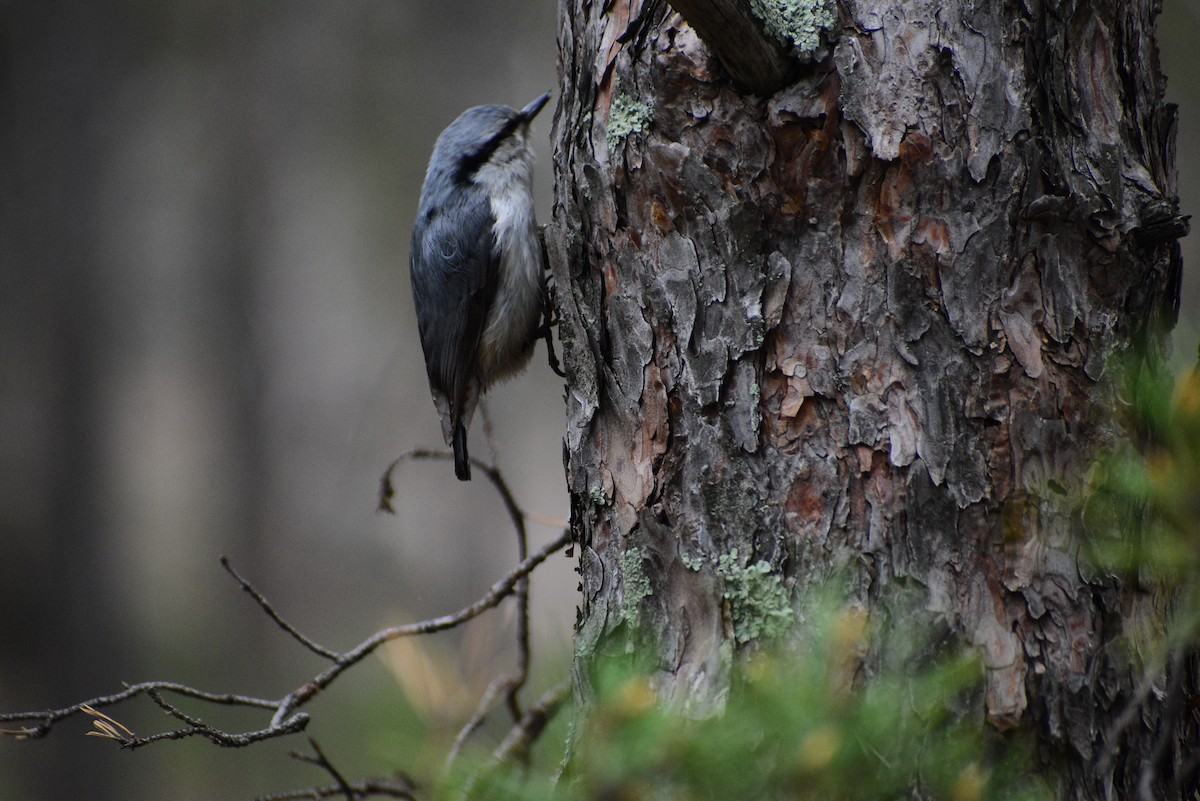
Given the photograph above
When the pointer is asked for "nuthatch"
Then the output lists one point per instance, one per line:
(477, 269)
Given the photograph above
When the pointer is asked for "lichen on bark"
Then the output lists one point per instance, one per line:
(796, 23)
(635, 584)
(759, 602)
(627, 116)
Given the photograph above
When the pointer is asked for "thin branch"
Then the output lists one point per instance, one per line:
(197, 727)
(387, 489)
(286, 720)
(265, 605)
(49, 717)
(400, 786)
(482, 709)
(497, 593)
(174, 711)
(110, 729)
(296, 723)
(367, 788)
(517, 517)
(319, 759)
(283, 721)
(516, 745)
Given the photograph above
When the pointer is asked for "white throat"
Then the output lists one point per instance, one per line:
(513, 318)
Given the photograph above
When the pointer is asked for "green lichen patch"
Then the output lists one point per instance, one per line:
(758, 601)
(795, 22)
(626, 116)
(597, 498)
(636, 584)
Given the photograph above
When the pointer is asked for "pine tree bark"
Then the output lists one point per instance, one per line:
(861, 324)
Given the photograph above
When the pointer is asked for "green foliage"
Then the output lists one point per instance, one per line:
(1144, 516)
(798, 724)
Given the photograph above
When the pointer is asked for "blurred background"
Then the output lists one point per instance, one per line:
(207, 347)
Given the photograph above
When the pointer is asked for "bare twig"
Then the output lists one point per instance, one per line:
(319, 759)
(367, 788)
(197, 727)
(287, 720)
(49, 717)
(265, 605)
(482, 709)
(515, 746)
(511, 685)
(401, 786)
(387, 489)
(517, 518)
(283, 720)
(514, 684)
(498, 592)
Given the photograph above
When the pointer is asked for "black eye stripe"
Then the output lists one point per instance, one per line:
(473, 161)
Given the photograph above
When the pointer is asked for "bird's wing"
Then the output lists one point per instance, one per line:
(454, 270)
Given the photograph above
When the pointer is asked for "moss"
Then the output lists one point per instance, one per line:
(626, 116)
(795, 22)
(635, 584)
(758, 601)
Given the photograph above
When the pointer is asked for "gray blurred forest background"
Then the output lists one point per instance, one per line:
(207, 347)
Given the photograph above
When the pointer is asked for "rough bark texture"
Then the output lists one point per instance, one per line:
(863, 324)
(737, 38)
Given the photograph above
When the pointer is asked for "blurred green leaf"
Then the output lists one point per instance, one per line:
(1143, 517)
(810, 721)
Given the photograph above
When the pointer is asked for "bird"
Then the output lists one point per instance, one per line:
(476, 262)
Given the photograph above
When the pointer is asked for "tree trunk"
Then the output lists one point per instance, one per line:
(861, 325)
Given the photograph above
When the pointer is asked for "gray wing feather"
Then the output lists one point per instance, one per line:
(454, 267)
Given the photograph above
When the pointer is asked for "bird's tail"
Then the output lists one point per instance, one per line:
(462, 462)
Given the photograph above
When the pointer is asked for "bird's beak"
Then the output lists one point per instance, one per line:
(530, 111)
